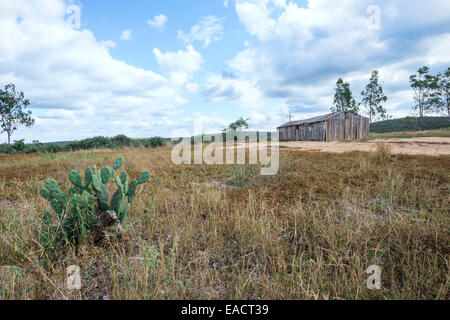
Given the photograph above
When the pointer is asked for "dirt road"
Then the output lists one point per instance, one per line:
(434, 146)
(426, 146)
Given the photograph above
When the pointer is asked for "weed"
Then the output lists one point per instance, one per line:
(382, 153)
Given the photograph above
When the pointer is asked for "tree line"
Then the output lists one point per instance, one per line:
(99, 142)
(431, 95)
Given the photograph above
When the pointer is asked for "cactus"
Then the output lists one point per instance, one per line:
(87, 207)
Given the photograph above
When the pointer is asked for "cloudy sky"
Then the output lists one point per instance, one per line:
(151, 67)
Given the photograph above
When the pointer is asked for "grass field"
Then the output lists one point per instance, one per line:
(225, 232)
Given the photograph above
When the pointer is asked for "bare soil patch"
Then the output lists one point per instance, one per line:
(433, 146)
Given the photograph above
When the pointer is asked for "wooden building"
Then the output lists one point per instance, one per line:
(329, 127)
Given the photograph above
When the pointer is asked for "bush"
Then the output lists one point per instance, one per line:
(382, 153)
(94, 143)
(122, 141)
(5, 148)
(32, 148)
(52, 148)
(19, 146)
(154, 142)
(136, 144)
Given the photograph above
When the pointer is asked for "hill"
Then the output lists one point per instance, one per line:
(409, 124)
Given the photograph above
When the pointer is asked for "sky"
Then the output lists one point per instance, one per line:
(159, 67)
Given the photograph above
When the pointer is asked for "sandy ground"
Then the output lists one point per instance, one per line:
(426, 146)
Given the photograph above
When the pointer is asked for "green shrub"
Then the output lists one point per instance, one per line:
(154, 142)
(94, 143)
(136, 144)
(19, 146)
(242, 175)
(5, 148)
(122, 141)
(31, 148)
(52, 148)
(87, 208)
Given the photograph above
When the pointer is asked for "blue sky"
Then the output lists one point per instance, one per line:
(150, 67)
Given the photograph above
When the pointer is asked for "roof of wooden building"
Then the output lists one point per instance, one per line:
(311, 120)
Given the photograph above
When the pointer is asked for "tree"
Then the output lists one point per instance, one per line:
(343, 99)
(443, 92)
(373, 98)
(424, 86)
(12, 110)
(238, 125)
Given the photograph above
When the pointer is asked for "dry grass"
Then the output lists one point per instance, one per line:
(224, 232)
(382, 153)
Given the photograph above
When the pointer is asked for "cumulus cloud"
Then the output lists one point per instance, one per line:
(108, 43)
(192, 87)
(64, 69)
(179, 65)
(158, 22)
(289, 64)
(242, 92)
(125, 35)
(255, 16)
(270, 120)
(197, 123)
(299, 52)
(207, 30)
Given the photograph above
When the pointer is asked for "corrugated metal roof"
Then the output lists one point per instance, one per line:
(310, 120)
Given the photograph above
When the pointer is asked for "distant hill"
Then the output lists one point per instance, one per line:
(409, 124)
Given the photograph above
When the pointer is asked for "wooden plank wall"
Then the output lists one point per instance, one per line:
(346, 126)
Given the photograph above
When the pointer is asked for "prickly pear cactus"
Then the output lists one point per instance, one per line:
(88, 206)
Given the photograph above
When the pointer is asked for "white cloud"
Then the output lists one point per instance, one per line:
(192, 87)
(199, 122)
(125, 35)
(269, 121)
(299, 52)
(225, 3)
(240, 91)
(255, 16)
(209, 29)
(180, 65)
(158, 22)
(59, 114)
(108, 43)
(289, 64)
(74, 94)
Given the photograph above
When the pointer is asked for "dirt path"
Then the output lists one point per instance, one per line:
(434, 146)
(426, 146)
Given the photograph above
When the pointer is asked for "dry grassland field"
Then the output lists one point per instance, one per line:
(226, 232)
